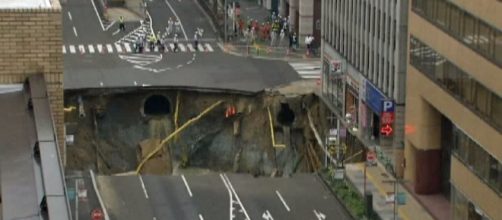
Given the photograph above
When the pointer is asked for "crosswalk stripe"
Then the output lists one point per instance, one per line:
(147, 49)
(81, 48)
(91, 48)
(200, 47)
(182, 47)
(118, 48)
(209, 48)
(190, 47)
(72, 49)
(171, 45)
(156, 49)
(127, 47)
(100, 48)
(64, 49)
(109, 48)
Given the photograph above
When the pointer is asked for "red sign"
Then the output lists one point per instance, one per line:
(370, 156)
(97, 214)
(387, 118)
(386, 130)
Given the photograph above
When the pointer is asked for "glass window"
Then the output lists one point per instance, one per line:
(463, 146)
(494, 173)
(459, 204)
(455, 21)
(469, 33)
(498, 47)
(485, 39)
(482, 99)
(496, 110)
(481, 166)
(442, 13)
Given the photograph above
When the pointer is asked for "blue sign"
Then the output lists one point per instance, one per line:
(374, 98)
(388, 106)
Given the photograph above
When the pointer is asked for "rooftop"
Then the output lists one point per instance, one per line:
(13, 4)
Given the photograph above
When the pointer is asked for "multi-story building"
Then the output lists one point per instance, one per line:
(364, 72)
(304, 16)
(454, 104)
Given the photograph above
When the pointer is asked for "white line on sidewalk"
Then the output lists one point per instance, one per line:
(282, 200)
(236, 196)
(186, 185)
(143, 186)
(177, 17)
(200, 217)
(75, 31)
(97, 14)
(69, 16)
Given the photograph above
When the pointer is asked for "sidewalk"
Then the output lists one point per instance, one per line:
(262, 51)
(375, 175)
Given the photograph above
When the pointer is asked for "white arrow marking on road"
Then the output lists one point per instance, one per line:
(209, 48)
(64, 49)
(72, 49)
(118, 48)
(100, 48)
(266, 215)
(143, 186)
(319, 215)
(91, 48)
(186, 185)
(282, 200)
(110, 48)
(127, 47)
(190, 47)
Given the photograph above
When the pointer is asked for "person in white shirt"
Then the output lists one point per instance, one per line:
(170, 25)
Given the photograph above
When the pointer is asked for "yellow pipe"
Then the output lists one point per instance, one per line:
(272, 134)
(70, 109)
(168, 138)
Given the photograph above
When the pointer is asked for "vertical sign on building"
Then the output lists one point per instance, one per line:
(387, 118)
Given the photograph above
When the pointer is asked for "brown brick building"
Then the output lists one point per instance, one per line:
(31, 40)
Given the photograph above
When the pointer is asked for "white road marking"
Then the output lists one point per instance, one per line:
(69, 16)
(127, 47)
(91, 48)
(143, 186)
(186, 185)
(200, 217)
(64, 49)
(182, 47)
(236, 196)
(116, 32)
(76, 198)
(267, 216)
(229, 195)
(190, 47)
(75, 31)
(100, 48)
(72, 49)
(282, 200)
(201, 48)
(109, 48)
(97, 14)
(319, 215)
(118, 48)
(110, 25)
(209, 48)
(177, 17)
(171, 45)
(81, 48)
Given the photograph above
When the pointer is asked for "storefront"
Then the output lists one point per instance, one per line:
(332, 83)
(370, 111)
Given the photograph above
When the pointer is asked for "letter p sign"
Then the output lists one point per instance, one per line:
(388, 106)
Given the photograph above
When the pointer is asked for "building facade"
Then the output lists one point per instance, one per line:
(31, 39)
(454, 104)
(364, 73)
(304, 16)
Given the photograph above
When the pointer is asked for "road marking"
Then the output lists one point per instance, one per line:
(69, 16)
(91, 48)
(72, 49)
(116, 32)
(230, 196)
(182, 48)
(200, 47)
(282, 200)
(209, 48)
(76, 199)
(110, 25)
(127, 47)
(75, 31)
(97, 14)
(236, 196)
(81, 48)
(171, 45)
(200, 217)
(190, 47)
(100, 48)
(118, 48)
(143, 186)
(319, 215)
(186, 185)
(177, 17)
(266, 215)
(64, 49)
(109, 48)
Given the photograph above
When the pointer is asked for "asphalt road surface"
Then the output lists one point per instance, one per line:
(218, 197)
(96, 56)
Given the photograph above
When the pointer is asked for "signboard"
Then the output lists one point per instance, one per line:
(97, 214)
(336, 66)
(387, 118)
(374, 98)
(371, 158)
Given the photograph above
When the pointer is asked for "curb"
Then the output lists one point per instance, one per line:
(101, 203)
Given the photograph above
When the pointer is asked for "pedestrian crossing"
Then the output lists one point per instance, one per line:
(307, 69)
(129, 48)
(142, 31)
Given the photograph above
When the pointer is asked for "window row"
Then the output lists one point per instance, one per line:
(463, 209)
(473, 94)
(468, 29)
(484, 165)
